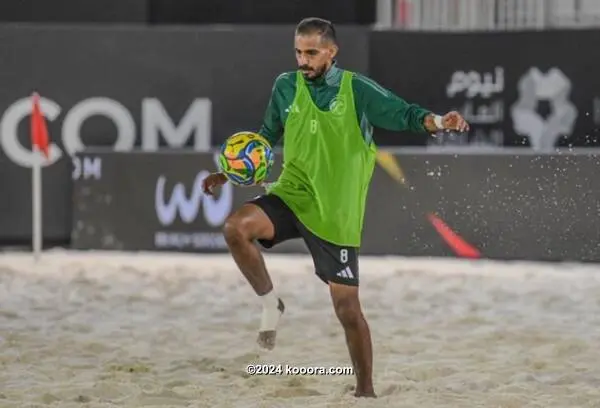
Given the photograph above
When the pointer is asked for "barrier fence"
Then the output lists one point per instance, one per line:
(139, 89)
(514, 88)
(505, 206)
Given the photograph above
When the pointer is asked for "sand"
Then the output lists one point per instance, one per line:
(165, 330)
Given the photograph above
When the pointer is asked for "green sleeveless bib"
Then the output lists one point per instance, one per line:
(327, 165)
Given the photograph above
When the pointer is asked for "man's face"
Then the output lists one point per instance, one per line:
(313, 54)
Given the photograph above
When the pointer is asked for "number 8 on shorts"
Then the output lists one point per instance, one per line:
(343, 255)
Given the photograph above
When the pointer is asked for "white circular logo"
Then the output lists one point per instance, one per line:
(337, 106)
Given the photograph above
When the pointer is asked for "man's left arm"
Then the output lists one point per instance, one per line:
(388, 111)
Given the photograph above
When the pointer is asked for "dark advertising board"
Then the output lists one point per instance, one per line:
(346, 12)
(74, 11)
(153, 201)
(519, 89)
(499, 206)
(512, 206)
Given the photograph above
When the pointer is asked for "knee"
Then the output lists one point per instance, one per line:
(236, 230)
(348, 311)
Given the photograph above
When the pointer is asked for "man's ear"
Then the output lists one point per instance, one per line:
(333, 51)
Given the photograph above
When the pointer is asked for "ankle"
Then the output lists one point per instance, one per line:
(366, 389)
(270, 311)
(367, 394)
(269, 299)
(264, 289)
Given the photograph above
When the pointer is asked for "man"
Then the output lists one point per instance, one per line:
(326, 116)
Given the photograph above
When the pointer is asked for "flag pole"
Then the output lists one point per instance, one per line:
(39, 144)
(36, 193)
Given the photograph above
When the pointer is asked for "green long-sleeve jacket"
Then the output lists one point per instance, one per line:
(375, 106)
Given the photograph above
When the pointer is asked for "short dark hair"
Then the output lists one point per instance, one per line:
(316, 25)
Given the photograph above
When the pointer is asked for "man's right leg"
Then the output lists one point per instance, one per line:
(241, 229)
(267, 221)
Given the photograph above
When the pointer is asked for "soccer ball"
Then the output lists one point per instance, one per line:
(246, 158)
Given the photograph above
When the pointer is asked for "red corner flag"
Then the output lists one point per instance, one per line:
(39, 131)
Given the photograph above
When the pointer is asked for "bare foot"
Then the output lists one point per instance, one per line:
(266, 339)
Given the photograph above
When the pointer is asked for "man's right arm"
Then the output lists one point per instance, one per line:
(271, 129)
(272, 126)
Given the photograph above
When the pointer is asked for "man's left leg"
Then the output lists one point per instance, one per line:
(338, 266)
(358, 336)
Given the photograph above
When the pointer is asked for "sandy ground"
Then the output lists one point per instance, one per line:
(123, 330)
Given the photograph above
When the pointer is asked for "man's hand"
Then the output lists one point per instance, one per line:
(450, 121)
(454, 121)
(212, 181)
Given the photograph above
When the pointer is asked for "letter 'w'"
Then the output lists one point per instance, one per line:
(215, 210)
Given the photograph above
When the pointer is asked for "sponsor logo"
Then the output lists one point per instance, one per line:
(155, 122)
(188, 207)
(345, 273)
(478, 94)
(553, 87)
(85, 168)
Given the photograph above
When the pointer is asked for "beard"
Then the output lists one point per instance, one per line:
(311, 73)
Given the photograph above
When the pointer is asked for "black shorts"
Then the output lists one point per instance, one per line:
(333, 263)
